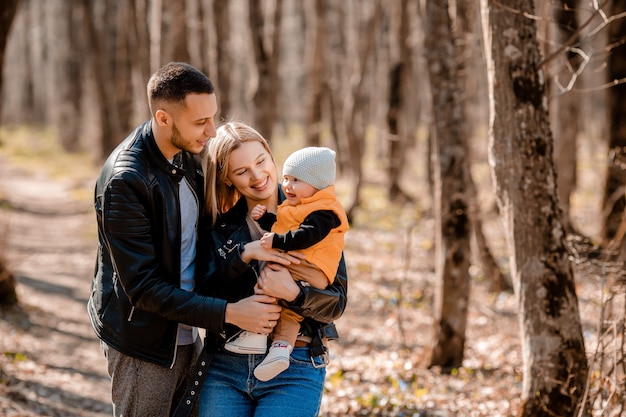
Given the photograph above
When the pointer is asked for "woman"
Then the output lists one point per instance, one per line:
(241, 173)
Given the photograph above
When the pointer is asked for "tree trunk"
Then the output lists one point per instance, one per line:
(66, 70)
(396, 110)
(564, 105)
(451, 169)
(8, 296)
(266, 58)
(467, 30)
(7, 13)
(315, 75)
(221, 15)
(555, 365)
(356, 123)
(489, 265)
(174, 38)
(122, 63)
(614, 202)
(139, 42)
(97, 57)
(336, 85)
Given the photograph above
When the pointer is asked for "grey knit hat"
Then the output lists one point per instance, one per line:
(313, 165)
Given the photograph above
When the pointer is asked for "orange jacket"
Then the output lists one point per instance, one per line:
(326, 253)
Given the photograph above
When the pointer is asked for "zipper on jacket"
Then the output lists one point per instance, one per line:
(132, 311)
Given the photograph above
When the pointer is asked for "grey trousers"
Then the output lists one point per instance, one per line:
(141, 389)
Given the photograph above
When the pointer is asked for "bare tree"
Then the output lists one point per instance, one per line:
(65, 53)
(174, 45)
(336, 82)
(315, 74)
(8, 9)
(221, 15)
(555, 365)
(396, 117)
(139, 43)
(97, 57)
(564, 101)
(8, 295)
(351, 42)
(452, 259)
(466, 29)
(266, 57)
(614, 201)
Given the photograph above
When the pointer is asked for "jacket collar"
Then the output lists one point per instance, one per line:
(157, 157)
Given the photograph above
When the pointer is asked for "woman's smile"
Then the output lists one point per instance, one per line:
(261, 186)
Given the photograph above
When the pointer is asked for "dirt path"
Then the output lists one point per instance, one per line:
(52, 360)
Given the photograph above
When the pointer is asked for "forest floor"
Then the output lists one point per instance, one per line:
(51, 363)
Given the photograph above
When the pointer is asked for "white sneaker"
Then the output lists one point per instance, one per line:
(247, 343)
(276, 361)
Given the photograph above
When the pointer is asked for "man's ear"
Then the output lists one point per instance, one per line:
(162, 118)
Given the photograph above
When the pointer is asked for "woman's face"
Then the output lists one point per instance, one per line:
(251, 170)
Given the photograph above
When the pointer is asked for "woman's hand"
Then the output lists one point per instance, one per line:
(254, 250)
(275, 280)
(257, 313)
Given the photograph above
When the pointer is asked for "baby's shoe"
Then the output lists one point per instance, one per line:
(276, 361)
(247, 343)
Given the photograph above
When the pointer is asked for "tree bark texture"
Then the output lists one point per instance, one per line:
(451, 169)
(554, 361)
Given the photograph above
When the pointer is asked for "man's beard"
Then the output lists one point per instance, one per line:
(177, 139)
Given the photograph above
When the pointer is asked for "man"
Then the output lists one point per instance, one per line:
(147, 200)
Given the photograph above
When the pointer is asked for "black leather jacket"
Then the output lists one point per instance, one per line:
(222, 273)
(136, 301)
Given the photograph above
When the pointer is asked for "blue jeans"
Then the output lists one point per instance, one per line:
(230, 388)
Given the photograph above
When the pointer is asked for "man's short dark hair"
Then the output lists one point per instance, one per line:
(174, 81)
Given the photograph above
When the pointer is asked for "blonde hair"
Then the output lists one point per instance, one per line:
(219, 195)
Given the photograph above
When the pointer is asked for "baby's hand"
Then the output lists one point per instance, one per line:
(257, 212)
(266, 240)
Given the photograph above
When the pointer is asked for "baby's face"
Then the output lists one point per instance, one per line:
(295, 190)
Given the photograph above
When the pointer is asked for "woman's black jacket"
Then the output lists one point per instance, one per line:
(222, 273)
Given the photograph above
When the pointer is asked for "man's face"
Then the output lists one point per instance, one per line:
(193, 124)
